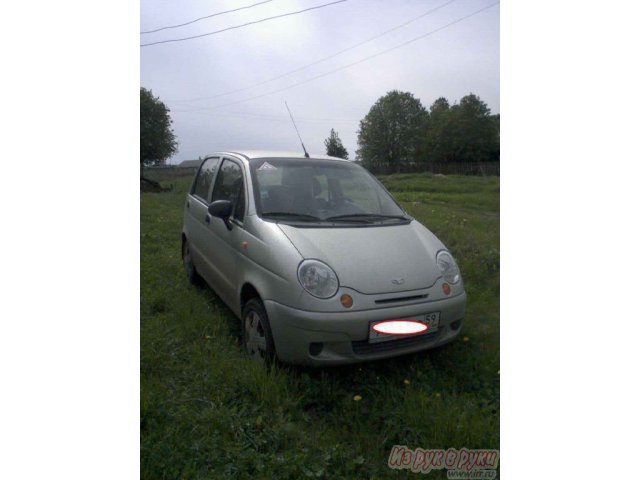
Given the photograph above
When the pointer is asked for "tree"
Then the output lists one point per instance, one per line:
(391, 133)
(335, 147)
(157, 140)
(495, 150)
(439, 107)
(464, 132)
(438, 144)
(477, 136)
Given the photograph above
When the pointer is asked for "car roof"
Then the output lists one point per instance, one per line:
(251, 154)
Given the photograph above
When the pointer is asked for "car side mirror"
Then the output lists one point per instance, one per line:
(221, 209)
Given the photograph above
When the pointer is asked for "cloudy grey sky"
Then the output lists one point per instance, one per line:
(191, 76)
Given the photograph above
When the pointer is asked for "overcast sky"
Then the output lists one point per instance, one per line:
(453, 62)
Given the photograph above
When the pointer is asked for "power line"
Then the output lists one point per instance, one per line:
(205, 17)
(282, 118)
(415, 39)
(304, 67)
(243, 25)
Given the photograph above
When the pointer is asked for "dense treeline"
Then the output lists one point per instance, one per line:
(400, 134)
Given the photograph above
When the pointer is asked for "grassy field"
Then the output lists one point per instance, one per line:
(208, 412)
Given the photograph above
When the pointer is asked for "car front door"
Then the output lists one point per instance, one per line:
(196, 216)
(225, 239)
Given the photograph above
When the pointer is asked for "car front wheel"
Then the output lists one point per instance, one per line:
(189, 267)
(256, 332)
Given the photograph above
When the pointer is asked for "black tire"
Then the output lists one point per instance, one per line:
(257, 339)
(189, 267)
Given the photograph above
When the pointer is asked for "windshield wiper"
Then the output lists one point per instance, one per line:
(293, 216)
(366, 216)
(353, 217)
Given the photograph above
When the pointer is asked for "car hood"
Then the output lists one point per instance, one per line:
(373, 260)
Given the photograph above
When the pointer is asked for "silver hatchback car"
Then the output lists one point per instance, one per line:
(320, 263)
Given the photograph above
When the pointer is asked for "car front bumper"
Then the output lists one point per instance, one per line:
(344, 335)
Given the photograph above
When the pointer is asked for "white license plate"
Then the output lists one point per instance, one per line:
(431, 320)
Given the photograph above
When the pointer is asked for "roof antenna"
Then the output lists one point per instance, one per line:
(294, 126)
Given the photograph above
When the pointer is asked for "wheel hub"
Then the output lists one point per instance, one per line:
(256, 341)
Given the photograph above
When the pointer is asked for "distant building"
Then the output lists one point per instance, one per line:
(189, 164)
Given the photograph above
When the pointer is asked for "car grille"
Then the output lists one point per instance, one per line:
(402, 299)
(363, 347)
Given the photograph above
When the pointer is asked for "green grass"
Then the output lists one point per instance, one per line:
(208, 412)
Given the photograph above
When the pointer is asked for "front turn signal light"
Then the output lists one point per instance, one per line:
(346, 301)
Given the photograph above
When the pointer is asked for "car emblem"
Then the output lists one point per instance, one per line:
(397, 281)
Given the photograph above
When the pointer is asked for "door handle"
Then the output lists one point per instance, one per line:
(207, 219)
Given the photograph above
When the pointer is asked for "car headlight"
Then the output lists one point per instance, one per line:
(448, 267)
(318, 278)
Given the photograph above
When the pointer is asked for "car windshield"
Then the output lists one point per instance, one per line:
(321, 191)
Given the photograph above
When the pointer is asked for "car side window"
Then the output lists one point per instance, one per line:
(230, 186)
(205, 178)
